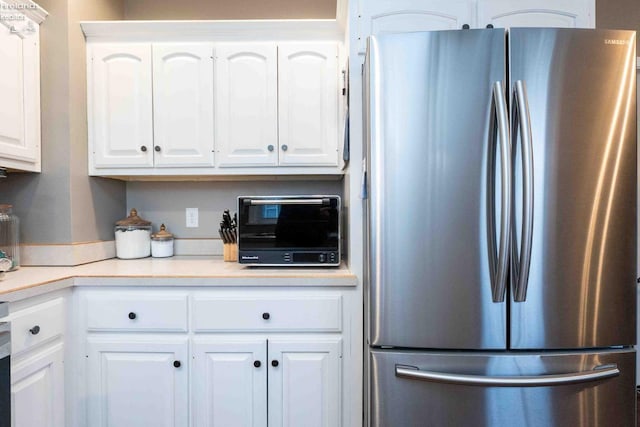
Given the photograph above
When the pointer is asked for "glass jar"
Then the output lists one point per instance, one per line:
(9, 236)
(133, 237)
(162, 243)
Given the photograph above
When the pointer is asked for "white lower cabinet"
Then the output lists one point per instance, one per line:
(37, 389)
(137, 381)
(256, 382)
(304, 382)
(230, 382)
(227, 358)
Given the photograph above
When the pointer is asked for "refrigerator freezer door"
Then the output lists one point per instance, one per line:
(586, 392)
(580, 86)
(430, 109)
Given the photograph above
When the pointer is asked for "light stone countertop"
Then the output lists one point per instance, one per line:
(176, 271)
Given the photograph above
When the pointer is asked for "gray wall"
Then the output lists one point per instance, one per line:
(230, 9)
(165, 202)
(618, 14)
(62, 204)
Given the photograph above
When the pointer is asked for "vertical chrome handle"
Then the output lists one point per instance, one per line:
(499, 129)
(522, 120)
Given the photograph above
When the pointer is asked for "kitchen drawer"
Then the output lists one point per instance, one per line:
(36, 324)
(114, 311)
(267, 313)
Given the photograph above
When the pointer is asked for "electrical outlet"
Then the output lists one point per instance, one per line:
(192, 217)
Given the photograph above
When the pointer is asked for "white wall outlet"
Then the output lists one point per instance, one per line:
(192, 217)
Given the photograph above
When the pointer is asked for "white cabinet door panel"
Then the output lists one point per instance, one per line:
(399, 16)
(228, 389)
(120, 99)
(19, 100)
(533, 13)
(308, 104)
(37, 389)
(133, 382)
(183, 104)
(246, 104)
(304, 387)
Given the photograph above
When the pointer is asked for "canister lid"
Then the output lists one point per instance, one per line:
(163, 234)
(133, 219)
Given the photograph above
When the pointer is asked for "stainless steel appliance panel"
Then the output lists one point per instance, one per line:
(581, 92)
(431, 243)
(591, 389)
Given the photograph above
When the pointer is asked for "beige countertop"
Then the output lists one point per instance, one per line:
(176, 271)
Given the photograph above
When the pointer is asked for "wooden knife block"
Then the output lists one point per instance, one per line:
(230, 252)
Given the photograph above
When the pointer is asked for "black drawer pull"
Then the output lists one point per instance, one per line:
(35, 330)
(132, 315)
(274, 363)
(266, 316)
(177, 364)
(257, 364)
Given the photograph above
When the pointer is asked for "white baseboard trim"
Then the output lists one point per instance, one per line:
(66, 254)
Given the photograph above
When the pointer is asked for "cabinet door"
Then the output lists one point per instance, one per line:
(120, 106)
(137, 381)
(304, 386)
(20, 99)
(230, 383)
(308, 104)
(399, 16)
(534, 13)
(37, 389)
(183, 104)
(246, 104)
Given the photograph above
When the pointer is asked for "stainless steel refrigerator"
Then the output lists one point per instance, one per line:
(501, 227)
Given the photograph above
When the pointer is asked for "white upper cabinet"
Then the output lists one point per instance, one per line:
(535, 13)
(120, 106)
(308, 103)
(246, 104)
(20, 98)
(231, 106)
(183, 105)
(393, 16)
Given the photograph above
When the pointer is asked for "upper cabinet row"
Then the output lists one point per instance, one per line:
(382, 16)
(19, 92)
(203, 108)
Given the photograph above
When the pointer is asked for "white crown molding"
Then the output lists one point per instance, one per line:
(28, 8)
(227, 30)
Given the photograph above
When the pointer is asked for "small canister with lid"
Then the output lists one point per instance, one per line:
(133, 237)
(162, 243)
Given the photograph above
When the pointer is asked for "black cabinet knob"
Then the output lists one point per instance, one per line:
(266, 316)
(285, 147)
(257, 364)
(489, 25)
(270, 147)
(157, 148)
(177, 364)
(143, 148)
(465, 27)
(132, 315)
(274, 363)
(35, 330)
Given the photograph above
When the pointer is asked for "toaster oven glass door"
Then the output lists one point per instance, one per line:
(292, 224)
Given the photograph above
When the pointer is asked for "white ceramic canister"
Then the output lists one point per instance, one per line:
(133, 237)
(162, 243)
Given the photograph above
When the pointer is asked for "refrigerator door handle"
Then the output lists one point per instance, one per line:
(499, 129)
(598, 373)
(522, 121)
